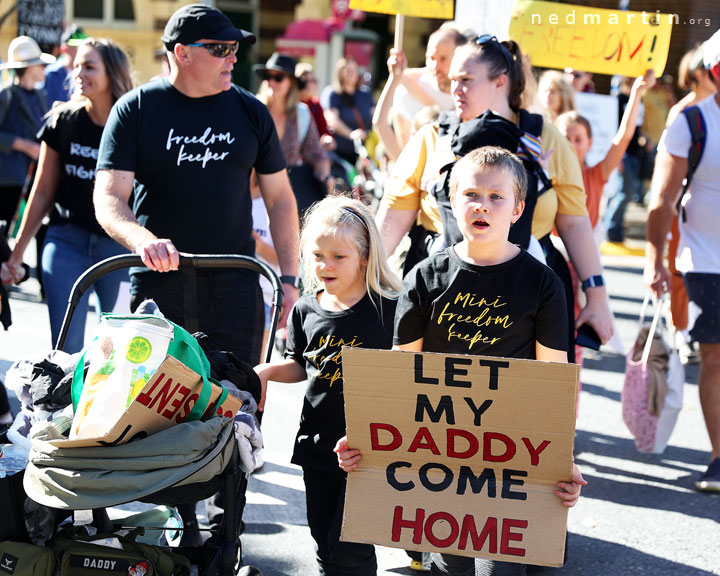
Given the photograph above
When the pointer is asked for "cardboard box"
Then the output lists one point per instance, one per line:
(164, 401)
(460, 454)
(228, 407)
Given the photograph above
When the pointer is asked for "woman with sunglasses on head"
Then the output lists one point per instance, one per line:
(63, 188)
(488, 81)
(298, 133)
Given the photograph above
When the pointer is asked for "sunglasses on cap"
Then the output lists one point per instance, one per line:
(490, 40)
(219, 49)
(274, 76)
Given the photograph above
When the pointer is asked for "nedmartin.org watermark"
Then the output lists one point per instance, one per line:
(617, 18)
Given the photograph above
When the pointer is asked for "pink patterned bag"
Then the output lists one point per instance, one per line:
(651, 410)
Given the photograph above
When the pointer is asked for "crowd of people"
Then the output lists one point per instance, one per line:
(484, 165)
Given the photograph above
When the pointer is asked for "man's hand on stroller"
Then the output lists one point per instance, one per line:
(159, 254)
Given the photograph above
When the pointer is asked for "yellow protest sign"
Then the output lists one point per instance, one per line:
(592, 39)
(460, 454)
(442, 9)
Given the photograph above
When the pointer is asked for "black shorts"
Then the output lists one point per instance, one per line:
(704, 293)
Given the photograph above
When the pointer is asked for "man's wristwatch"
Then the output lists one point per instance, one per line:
(292, 280)
(593, 282)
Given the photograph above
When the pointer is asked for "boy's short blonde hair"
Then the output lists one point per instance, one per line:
(487, 159)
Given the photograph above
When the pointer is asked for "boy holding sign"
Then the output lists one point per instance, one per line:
(483, 296)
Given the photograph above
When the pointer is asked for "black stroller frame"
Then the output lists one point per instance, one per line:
(225, 556)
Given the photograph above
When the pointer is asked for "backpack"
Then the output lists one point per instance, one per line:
(489, 129)
(698, 132)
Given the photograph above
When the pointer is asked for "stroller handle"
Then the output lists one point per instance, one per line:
(114, 263)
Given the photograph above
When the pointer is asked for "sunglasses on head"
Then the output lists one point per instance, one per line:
(274, 76)
(490, 40)
(219, 49)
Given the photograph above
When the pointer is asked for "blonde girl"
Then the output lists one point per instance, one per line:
(555, 94)
(349, 300)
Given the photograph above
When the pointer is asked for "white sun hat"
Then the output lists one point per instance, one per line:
(24, 52)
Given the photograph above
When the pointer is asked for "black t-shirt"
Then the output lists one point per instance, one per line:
(499, 310)
(314, 339)
(192, 159)
(76, 138)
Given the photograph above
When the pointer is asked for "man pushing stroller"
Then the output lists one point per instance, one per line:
(183, 146)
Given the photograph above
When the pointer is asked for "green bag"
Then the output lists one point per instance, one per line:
(79, 557)
(20, 559)
(127, 343)
(85, 559)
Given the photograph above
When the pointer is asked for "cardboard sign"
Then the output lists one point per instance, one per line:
(460, 454)
(420, 8)
(41, 20)
(164, 401)
(592, 39)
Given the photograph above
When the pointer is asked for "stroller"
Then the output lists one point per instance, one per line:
(214, 467)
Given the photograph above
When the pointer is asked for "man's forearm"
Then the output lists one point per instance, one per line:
(113, 212)
(121, 225)
(285, 231)
(657, 229)
(665, 187)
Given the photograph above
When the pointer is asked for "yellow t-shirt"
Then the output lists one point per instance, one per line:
(418, 164)
(425, 153)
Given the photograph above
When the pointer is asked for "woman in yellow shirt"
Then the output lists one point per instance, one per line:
(489, 75)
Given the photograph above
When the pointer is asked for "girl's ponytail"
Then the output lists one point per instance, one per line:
(501, 58)
(516, 76)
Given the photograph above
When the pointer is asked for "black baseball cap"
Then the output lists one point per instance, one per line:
(197, 21)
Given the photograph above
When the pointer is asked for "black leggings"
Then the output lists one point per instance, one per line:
(325, 497)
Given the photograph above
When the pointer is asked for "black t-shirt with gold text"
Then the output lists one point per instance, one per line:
(315, 338)
(499, 310)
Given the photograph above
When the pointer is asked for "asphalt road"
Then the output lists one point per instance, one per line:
(639, 514)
